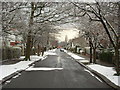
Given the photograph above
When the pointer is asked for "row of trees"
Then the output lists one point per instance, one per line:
(36, 20)
(33, 20)
(102, 16)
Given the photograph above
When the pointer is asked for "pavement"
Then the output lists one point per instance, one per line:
(97, 61)
(67, 73)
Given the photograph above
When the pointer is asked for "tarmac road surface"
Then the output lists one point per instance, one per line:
(56, 71)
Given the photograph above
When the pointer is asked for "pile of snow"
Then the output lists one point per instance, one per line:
(108, 72)
(74, 56)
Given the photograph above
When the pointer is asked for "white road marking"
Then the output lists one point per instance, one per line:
(42, 69)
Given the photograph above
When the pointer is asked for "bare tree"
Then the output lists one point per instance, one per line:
(95, 12)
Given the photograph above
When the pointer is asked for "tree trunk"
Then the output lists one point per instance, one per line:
(94, 55)
(90, 51)
(38, 50)
(117, 61)
(90, 54)
(28, 48)
(116, 46)
(29, 38)
(117, 53)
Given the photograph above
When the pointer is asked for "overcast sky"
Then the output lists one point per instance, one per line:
(72, 33)
(68, 30)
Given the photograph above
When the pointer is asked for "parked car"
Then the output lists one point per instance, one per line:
(62, 50)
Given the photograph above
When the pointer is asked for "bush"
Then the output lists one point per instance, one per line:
(16, 52)
(106, 56)
(10, 52)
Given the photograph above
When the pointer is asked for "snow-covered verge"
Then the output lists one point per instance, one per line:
(84, 61)
(6, 70)
(81, 59)
(74, 56)
(108, 72)
(34, 57)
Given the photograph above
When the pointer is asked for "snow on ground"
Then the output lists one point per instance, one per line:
(50, 52)
(84, 61)
(42, 68)
(108, 72)
(6, 70)
(35, 57)
(81, 59)
(74, 55)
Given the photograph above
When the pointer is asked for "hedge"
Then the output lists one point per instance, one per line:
(106, 56)
(10, 52)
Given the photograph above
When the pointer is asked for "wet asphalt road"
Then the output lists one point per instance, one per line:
(73, 75)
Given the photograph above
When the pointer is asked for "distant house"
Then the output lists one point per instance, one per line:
(14, 40)
(77, 44)
(79, 41)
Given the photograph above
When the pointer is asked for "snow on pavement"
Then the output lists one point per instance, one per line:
(108, 72)
(6, 70)
(84, 61)
(50, 52)
(74, 55)
(81, 59)
(35, 57)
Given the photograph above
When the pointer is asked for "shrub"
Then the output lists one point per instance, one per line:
(10, 52)
(16, 52)
(106, 56)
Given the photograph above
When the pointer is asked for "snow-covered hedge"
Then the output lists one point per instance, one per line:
(10, 52)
